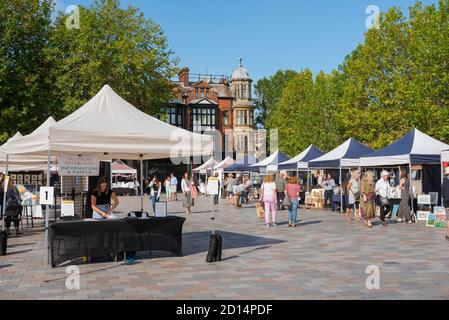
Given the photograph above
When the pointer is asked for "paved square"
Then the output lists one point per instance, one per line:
(323, 258)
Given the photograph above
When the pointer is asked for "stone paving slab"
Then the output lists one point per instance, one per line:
(323, 258)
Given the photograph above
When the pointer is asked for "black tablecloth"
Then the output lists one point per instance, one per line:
(74, 239)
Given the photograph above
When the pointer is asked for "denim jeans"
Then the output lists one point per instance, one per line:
(293, 211)
(154, 199)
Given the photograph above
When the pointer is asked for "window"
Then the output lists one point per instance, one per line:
(196, 92)
(207, 92)
(202, 118)
(174, 116)
(244, 91)
(226, 118)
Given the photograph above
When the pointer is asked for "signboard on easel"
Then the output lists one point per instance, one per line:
(67, 208)
(213, 186)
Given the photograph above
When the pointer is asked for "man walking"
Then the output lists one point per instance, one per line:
(383, 191)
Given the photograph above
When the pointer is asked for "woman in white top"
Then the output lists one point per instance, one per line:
(155, 192)
(167, 185)
(269, 197)
(185, 187)
(353, 196)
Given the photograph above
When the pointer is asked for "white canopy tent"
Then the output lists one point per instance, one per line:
(445, 156)
(226, 163)
(206, 166)
(109, 127)
(119, 167)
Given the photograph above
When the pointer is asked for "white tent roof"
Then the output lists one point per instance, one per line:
(206, 166)
(226, 163)
(110, 127)
(27, 162)
(119, 167)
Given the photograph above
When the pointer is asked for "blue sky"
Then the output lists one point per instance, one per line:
(269, 35)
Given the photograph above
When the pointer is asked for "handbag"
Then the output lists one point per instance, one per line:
(383, 201)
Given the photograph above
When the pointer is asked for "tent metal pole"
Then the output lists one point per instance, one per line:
(5, 187)
(141, 185)
(309, 178)
(341, 192)
(442, 179)
(47, 212)
(411, 190)
(212, 198)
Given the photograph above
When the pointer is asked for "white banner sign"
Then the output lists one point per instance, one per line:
(212, 186)
(78, 166)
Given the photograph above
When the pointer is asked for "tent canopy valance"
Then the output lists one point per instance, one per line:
(110, 127)
(414, 147)
(345, 155)
(301, 161)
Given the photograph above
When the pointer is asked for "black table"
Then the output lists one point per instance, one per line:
(74, 239)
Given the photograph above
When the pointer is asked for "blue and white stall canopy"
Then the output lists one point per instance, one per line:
(415, 147)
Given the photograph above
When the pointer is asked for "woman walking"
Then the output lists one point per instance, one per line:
(185, 187)
(368, 198)
(269, 196)
(292, 189)
(353, 194)
(194, 190)
(404, 212)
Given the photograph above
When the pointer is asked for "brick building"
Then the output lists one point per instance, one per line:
(206, 102)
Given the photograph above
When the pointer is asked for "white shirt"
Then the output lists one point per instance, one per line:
(268, 188)
(383, 188)
(328, 184)
(153, 192)
(184, 186)
(174, 181)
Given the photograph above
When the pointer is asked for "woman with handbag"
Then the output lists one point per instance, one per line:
(185, 187)
(383, 191)
(292, 191)
(367, 198)
(353, 194)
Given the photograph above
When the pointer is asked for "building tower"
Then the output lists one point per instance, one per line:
(243, 112)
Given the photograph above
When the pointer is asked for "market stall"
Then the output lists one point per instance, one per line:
(345, 156)
(127, 133)
(301, 162)
(270, 164)
(417, 151)
(124, 178)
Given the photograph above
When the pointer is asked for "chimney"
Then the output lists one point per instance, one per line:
(184, 76)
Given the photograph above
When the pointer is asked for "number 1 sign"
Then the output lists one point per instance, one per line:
(47, 195)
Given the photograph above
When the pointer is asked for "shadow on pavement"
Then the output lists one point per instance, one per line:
(198, 242)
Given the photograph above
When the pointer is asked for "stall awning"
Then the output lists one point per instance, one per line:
(119, 167)
(301, 161)
(206, 166)
(345, 155)
(415, 147)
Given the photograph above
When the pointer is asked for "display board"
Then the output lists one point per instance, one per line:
(78, 166)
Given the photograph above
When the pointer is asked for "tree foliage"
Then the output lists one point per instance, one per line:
(396, 80)
(49, 69)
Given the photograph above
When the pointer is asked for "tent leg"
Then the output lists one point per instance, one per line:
(309, 174)
(411, 191)
(141, 185)
(341, 192)
(47, 212)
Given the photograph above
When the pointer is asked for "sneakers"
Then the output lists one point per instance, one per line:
(399, 219)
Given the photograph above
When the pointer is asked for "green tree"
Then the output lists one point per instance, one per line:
(24, 87)
(114, 46)
(268, 92)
